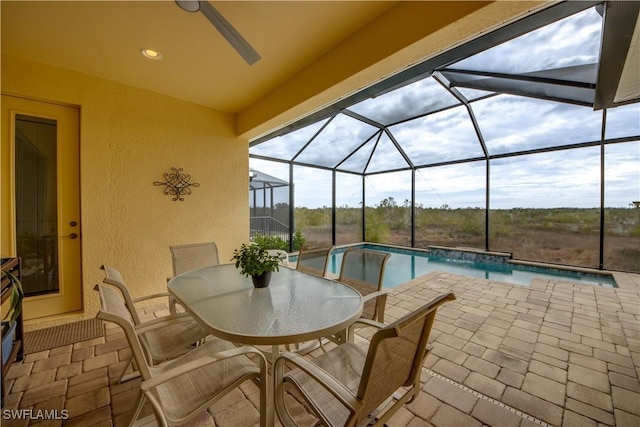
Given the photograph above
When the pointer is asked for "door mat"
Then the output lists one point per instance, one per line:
(58, 336)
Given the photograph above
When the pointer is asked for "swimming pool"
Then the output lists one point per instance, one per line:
(407, 264)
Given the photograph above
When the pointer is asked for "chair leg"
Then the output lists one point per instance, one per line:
(131, 376)
(122, 377)
(136, 412)
(279, 395)
(172, 305)
(381, 421)
(324, 350)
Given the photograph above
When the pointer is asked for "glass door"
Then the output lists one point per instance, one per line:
(42, 153)
(36, 203)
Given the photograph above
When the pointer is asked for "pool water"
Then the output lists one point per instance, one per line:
(404, 265)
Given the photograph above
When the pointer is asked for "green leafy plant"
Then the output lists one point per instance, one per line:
(272, 242)
(253, 260)
(298, 241)
(15, 306)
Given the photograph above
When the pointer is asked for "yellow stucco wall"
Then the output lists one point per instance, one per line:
(128, 139)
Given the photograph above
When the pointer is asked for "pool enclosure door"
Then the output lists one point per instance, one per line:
(40, 202)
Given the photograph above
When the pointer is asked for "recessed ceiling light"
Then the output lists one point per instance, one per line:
(151, 54)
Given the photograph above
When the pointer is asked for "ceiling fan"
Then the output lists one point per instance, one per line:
(223, 26)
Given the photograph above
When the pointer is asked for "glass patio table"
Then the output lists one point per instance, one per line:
(294, 308)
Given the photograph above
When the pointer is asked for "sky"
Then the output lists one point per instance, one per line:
(507, 123)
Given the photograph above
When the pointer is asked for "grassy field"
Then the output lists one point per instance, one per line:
(561, 235)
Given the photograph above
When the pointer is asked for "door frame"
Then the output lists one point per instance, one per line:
(69, 297)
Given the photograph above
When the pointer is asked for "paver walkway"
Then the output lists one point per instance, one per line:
(554, 353)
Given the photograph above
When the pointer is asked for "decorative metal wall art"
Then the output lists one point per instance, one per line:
(177, 184)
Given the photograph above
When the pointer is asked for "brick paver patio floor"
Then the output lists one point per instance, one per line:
(553, 353)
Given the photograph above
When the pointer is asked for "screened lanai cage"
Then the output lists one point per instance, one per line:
(268, 206)
(521, 141)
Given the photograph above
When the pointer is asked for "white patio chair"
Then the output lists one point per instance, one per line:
(363, 270)
(172, 335)
(183, 388)
(313, 260)
(350, 387)
(189, 257)
(192, 256)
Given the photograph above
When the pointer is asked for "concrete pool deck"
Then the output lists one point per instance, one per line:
(553, 353)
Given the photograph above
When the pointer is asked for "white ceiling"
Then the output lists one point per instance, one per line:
(104, 38)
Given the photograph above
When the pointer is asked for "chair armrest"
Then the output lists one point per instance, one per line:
(376, 294)
(333, 386)
(200, 363)
(381, 297)
(152, 296)
(369, 322)
(363, 322)
(162, 322)
(171, 298)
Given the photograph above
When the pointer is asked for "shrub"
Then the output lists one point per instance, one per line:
(272, 242)
(298, 241)
(376, 232)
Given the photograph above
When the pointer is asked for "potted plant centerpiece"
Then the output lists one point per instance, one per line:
(254, 260)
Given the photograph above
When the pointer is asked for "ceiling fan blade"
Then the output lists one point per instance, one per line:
(228, 32)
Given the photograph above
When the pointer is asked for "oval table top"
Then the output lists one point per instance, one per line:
(295, 307)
